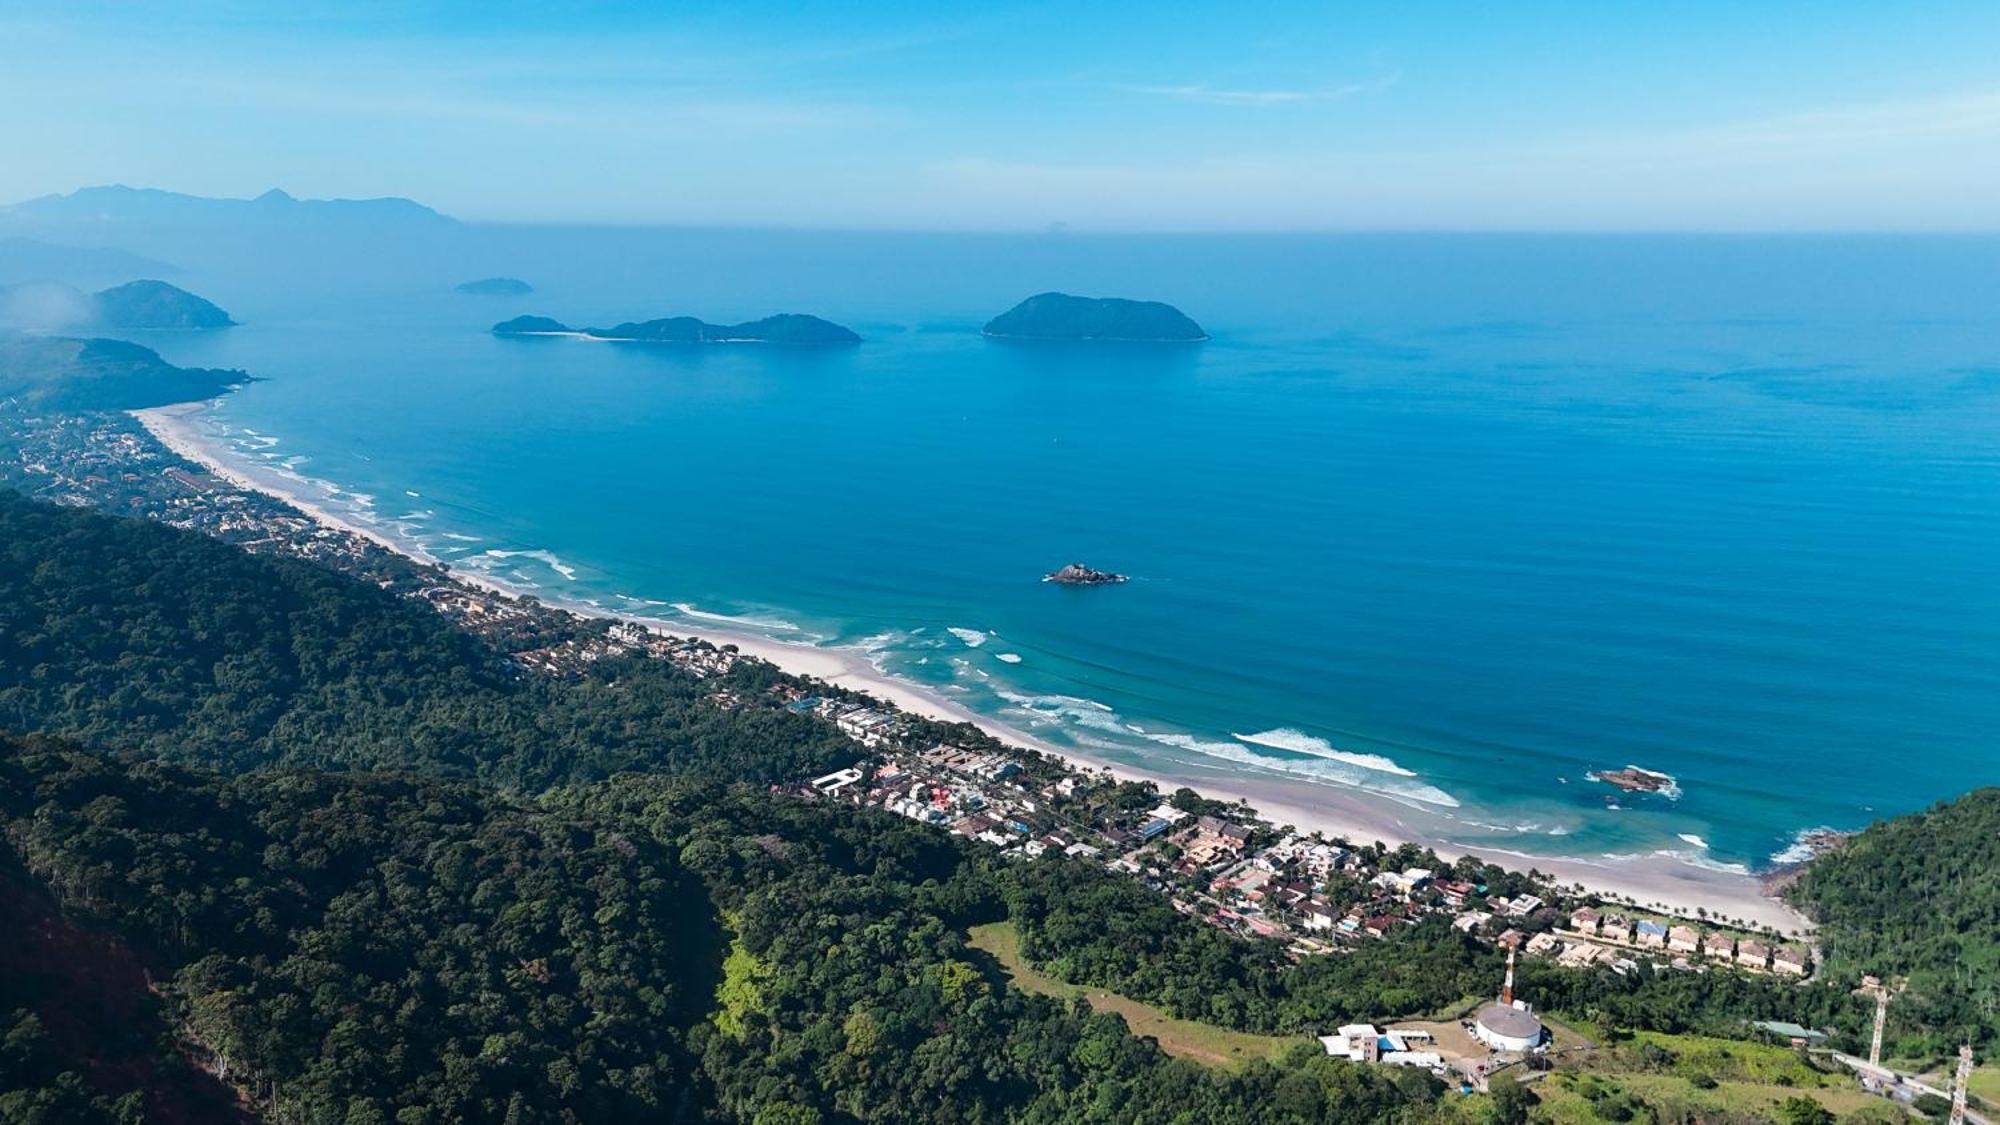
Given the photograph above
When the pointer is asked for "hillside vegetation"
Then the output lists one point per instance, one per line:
(377, 873)
(1918, 897)
(126, 635)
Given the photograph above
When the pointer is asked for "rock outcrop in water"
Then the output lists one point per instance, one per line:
(1632, 779)
(1060, 316)
(495, 287)
(1077, 574)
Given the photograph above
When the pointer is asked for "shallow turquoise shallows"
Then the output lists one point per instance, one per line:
(1454, 520)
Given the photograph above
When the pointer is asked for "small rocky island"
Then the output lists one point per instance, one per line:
(792, 329)
(1632, 779)
(533, 326)
(495, 287)
(156, 306)
(1077, 574)
(1060, 316)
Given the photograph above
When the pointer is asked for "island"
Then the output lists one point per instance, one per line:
(1632, 779)
(1060, 316)
(791, 329)
(495, 287)
(1077, 574)
(533, 326)
(157, 306)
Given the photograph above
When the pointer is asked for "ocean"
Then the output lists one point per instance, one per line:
(1449, 521)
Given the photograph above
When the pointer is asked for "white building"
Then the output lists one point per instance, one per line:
(1364, 1042)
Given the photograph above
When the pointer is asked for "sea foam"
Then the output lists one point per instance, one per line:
(1298, 742)
(546, 558)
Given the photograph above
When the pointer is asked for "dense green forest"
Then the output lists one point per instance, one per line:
(1917, 899)
(64, 373)
(126, 635)
(358, 946)
(375, 873)
(345, 943)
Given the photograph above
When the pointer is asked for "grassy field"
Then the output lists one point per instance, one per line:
(1700, 1075)
(1565, 1098)
(1199, 1042)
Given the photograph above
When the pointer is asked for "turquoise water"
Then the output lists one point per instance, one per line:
(1452, 520)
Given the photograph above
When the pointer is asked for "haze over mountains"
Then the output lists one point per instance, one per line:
(114, 205)
(284, 235)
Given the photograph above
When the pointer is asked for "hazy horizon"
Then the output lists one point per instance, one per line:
(1020, 117)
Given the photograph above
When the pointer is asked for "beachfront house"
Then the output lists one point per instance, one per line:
(1652, 935)
(1583, 920)
(1752, 954)
(1789, 961)
(1683, 939)
(1719, 945)
(1453, 892)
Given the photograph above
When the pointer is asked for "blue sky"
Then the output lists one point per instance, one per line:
(1702, 116)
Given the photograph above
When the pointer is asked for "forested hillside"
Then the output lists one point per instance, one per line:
(63, 373)
(126, 635)
(421, 947)
(377, 874)
(1918, 897)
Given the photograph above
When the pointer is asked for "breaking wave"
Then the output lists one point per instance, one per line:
(973, 638)
(687, 609)
(1800, 849)
(1298, 742)
(546, 558)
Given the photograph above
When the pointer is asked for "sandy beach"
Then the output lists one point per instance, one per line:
(1644, 880)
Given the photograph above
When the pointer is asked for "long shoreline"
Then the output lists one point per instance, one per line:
(1643, 880)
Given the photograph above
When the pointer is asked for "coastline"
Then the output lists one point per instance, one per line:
(1643, 880)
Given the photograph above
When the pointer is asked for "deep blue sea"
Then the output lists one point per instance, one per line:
(1450, 519)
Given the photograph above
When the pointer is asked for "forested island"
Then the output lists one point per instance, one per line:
(494, 287)
(785, 328)
(136, 306)
(1060, 316)
(157, 306)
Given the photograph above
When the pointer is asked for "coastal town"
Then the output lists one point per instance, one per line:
(1218, 861)
(1307, 893)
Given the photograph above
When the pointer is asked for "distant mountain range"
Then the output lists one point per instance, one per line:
(116, 204)
(31, 259)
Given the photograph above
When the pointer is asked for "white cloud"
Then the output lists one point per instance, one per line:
(1211, 95)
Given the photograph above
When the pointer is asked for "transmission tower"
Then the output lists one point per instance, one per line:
(1958, 1091)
